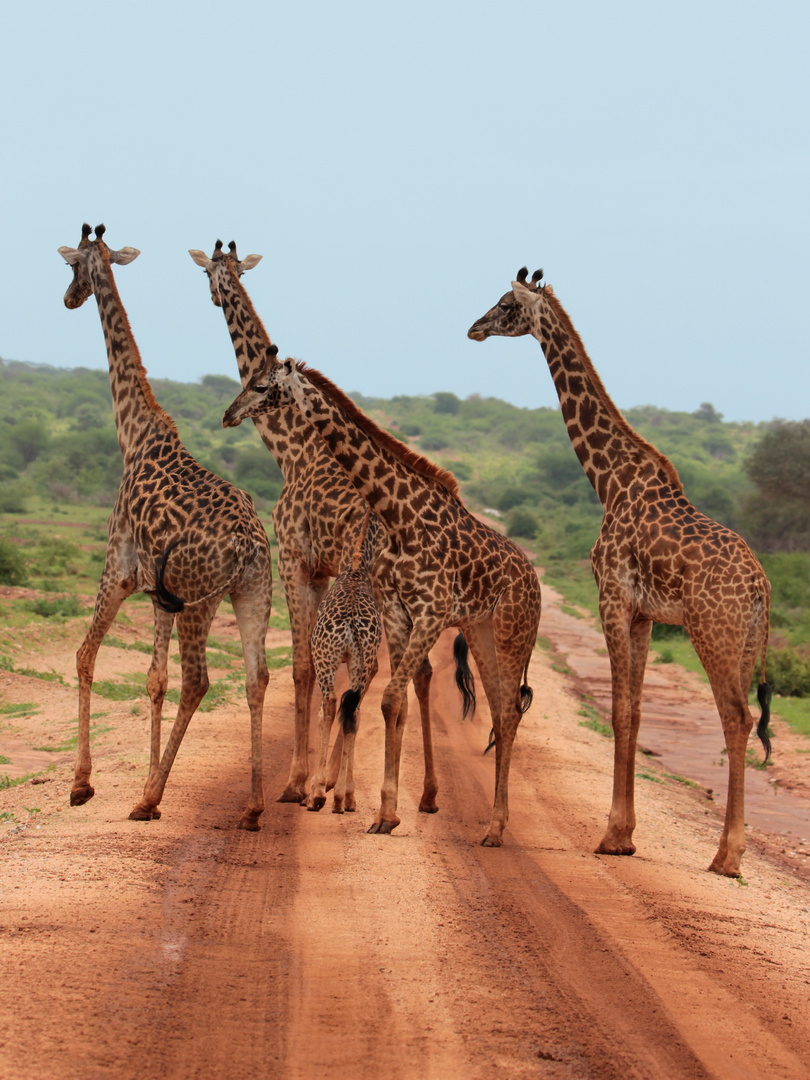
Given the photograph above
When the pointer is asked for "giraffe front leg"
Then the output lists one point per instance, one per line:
(423, 636)
(302, 602)
(392, 710)
(252, 603)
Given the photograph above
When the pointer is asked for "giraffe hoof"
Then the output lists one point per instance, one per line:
(144, 813)
(81, 795)
(615, 849)
(729, 871)
(316, 802)
(350, 804)
(384, 827)
(428, 808)
(249, 822)
(338, 808)
(292, 794)
(491, 841)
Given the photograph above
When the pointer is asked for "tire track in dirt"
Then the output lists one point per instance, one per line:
(187, 949)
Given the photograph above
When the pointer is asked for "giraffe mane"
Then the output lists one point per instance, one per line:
(599, 388)
(398, 450)
(140, 370)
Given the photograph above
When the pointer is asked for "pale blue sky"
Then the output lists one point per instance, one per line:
(396, 164)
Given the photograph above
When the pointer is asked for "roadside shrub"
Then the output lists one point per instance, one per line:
(13, 570)
(521, 522)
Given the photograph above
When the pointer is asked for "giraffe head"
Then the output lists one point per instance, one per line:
(265, 392)
(220, 263)
(511, 316)
(80, 259)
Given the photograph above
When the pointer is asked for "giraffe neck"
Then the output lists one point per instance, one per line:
(400, 486)
(283, 431)
(134, 406)
(612, 454)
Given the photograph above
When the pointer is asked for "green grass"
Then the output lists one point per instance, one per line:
(593, 720)
(575, 582)
(279, 657)
(7, 782)
(795, 712)
(63, 607)
(24, 708)
(682, 780)
(4, 760)
(31, 673)
(120, 691)
(72, 742)
(648, 776)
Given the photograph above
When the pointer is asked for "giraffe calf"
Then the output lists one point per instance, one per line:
(348, 629)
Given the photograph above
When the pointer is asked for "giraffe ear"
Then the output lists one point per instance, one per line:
(200, 258)
(70, 255)
(288, 365)
(124, 255)
(249, 262)
(519, 288)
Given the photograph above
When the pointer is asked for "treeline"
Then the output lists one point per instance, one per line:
(58, 441)
(58, 444)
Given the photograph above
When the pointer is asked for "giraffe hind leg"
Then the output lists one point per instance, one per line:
(192, 630)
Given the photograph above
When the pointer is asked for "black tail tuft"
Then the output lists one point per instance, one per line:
(764, 699)
(490, 741)
(464, 677)
(526, 698)
(167, 600)
(348, 711)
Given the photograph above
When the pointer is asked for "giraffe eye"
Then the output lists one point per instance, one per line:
(505, 307)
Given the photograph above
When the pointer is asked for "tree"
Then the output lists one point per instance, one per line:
(447, 403)
(778, 519)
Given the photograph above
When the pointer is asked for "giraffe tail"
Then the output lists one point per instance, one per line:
(764, 696)
(526, 692)
(526, 699)
(764, 699)
(167, 600)
(464, 676)
(348, 711)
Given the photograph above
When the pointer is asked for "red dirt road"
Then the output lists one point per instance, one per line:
(184, 948)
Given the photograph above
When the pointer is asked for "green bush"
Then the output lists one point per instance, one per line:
(13, 570)
(68, 607)
(521, 522)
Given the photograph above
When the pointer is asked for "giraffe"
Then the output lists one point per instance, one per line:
(657, 558)
(317, 520)
(448, 568)
(178, 533)
(348, 628)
